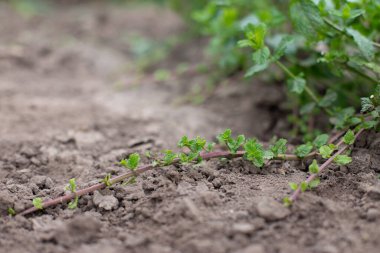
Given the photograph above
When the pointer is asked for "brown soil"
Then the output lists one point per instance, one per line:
(72, 103)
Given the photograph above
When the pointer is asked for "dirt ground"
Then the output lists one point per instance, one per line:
(73, 103)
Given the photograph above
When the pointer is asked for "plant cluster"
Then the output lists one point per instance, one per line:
(327, 50)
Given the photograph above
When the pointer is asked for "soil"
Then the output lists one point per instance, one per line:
(73, 103)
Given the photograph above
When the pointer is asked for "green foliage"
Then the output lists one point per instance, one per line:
(254, 152)
(169, 157)
(349, 137)
(232, 144)
(38, 203)
(314, 168)
(72, 186)
(11, 211)
(326, 150)
(132, 162)
(279, 147)
(304, 149)
(342, 159)
(320, 140)
(107, 180)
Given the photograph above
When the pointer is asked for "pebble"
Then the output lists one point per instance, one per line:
(373, 214)
(271, 210)
(374, 192)
(243, 228)
(105, 202)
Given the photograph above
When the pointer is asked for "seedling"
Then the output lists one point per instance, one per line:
(73, 188)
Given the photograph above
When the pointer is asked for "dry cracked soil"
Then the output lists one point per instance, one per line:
(73, 103)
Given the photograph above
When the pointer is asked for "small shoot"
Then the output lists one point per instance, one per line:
(326, 150)
(38, 203)
(254, 152)
(349, 137)
(107, 180)
(232, 144)
(169, 157)
(342, 159)
(303, 150)
(11, 212)
(72, 187)
(287, 202)
(132, 162)
(320, 140)
(314, 168)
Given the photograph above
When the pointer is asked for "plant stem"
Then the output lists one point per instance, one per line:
(144, 168)
(297, 192)
(312, 95)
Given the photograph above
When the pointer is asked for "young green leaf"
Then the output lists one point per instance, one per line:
(367, 105)
(37, 203)
(314, 183)
(72, 186)
(107, 180)
(254, 152)
(342, 159)
(325, 151)
(304, 186)
(281, 48)
(279, 147)
(304, 149)
(11, 211)
(314, 168)
(293, 186)
(306, 18)
(296, 85)
(261, 56)
(74, 203)
(320, 140)
(349, 137)
(132, 162)
(365, 45)
(169, 157)
(287, 201)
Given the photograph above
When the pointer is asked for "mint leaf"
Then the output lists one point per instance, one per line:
(261, 56)
(304, 186)
(254, 152)
(314, 183)
(349, 137)
(37, 203)
(296, 85)
(304, 149)
(281, 48)
(342, 159)
(255, 69)
(329, 99)
(314, 168)
(279, 147)
(364, 44)
(169, 157)
(325, 151)
(132, 162)
(320, 140)
(307, 19)
(293, 186)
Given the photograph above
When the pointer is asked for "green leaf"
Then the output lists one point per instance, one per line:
(369, 124)
(342, 159)
(11, 211)
(279, 147)
(132, 162)
(320, 140)
(225, 136)
(349, 137)
(287, 201)
(106, 180)
(268, 154)
(74, 203)
(367, 105)
(296, 85)
(261, 56)
(293, 186)
(210, 146)
(307, 19)
(304, 186)
(254, 152)
(329, 99)
(325, 151)
(255, 69)
(304, 149)
(364, 44)
(281, 48)
(37, 203)
(314, 168)
(314, 183)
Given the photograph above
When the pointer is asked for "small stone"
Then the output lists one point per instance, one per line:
(373, 214)
(106, 202)
(374, 192)
(361, 161)
(254, 248)
(271, 210)
(217, 183)
(243, 228)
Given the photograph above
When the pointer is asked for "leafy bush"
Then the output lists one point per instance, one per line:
(326, 49)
